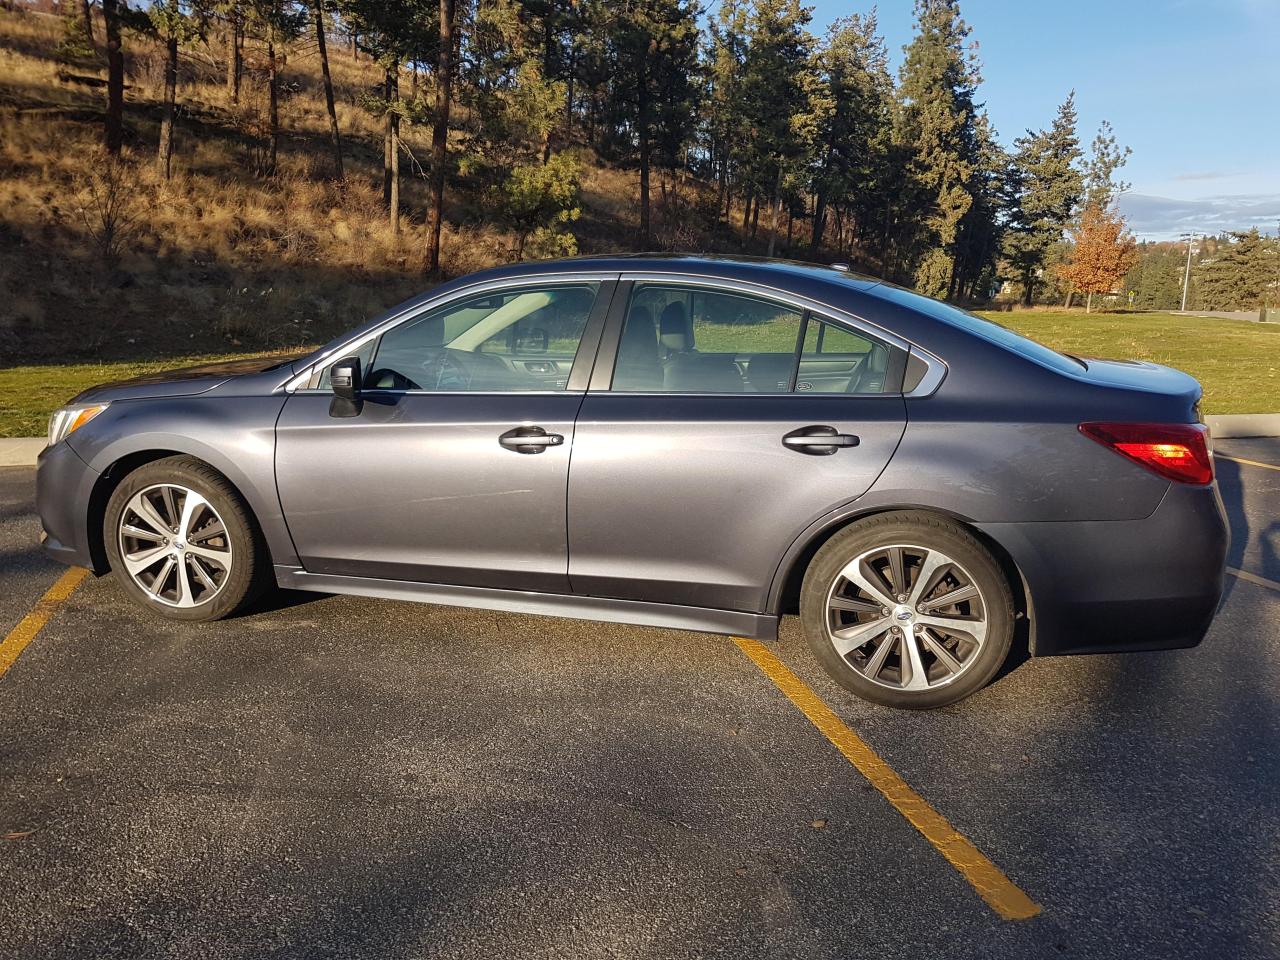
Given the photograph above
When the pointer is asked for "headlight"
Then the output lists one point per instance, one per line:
(66, 421)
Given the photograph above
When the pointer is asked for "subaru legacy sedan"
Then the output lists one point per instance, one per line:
(689, 442)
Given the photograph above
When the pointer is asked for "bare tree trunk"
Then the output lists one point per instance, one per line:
(1088, 303)
(440, 131)
(746, 213)
(777, 209)
(318, 8)
(273, 108)
(388, 95)
(165, 156)
(755, 217)
(235, 54)
(1071, 293)
(393, 147)
(87, 15)
(113, 133)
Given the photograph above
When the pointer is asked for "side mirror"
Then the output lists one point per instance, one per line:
(345, 381)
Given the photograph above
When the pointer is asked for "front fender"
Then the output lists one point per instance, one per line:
(234, 435)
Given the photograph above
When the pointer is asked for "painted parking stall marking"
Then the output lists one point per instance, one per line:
(31, 625)
(1000, 893)
(1248, 463)
(1254, 578)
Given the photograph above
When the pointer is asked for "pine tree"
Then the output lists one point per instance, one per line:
(853, 121)
(1244, 275)
(653, 52)
(723, 106)
(393, 33)
(1047, 186)
(775, 99)
(936, 123)
(1100, 185)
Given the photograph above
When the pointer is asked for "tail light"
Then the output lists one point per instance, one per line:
(1178, 451)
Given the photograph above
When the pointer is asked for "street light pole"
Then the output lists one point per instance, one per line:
(1186, 274)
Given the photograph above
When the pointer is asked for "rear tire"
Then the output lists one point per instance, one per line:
(907, 609)
(182, 542)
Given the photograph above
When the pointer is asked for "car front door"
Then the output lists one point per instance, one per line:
(454, 470)
(726, 424)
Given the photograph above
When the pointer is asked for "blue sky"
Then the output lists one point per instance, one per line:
(1192, 87)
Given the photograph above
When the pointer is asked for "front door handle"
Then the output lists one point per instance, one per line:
(818, 441)
(530, 439)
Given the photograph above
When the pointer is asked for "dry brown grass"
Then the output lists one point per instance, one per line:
(220, 257)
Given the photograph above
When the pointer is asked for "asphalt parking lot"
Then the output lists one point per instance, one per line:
(339, 777)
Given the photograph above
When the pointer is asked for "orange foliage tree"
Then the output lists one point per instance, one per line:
(1103, 254)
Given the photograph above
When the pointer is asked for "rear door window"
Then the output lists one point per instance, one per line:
(680, 338)
(687, 339)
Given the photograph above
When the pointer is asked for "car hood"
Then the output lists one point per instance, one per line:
(181, 382)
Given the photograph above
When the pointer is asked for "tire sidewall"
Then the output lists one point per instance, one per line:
(924, 531)
(242, 582)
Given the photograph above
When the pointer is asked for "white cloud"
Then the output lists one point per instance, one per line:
(1163, 218)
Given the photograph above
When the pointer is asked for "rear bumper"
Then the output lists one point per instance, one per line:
(1120, 585)
(64, 484)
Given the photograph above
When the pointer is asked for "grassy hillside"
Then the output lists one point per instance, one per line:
(219, 258)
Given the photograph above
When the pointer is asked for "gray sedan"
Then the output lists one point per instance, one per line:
(702, 443)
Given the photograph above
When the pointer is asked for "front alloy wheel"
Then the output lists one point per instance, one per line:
(908, 610)
(182, 542)
(174, 545)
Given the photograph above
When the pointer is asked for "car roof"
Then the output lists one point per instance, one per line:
(760, 269)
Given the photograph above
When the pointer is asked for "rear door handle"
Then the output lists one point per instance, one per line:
(818, 441)
(530, 439)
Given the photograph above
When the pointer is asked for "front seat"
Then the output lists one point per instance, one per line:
(871, 373)
(638, 366)
(687, 371)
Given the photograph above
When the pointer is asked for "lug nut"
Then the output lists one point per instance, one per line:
(884, 611)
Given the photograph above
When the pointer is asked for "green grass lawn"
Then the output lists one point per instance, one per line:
(29, 394)
(1237, 362)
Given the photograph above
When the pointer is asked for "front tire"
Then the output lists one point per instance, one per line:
(907, 609)
(182, 542)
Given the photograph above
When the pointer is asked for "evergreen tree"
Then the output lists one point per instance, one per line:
(775, 97)
(1100, 184)
(853, 120)
(937, 124)
(723, 106)
(653, 52)
(1244, 275)
(1046, 187)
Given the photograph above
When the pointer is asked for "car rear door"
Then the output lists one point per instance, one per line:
(455, 469)
(699, 455)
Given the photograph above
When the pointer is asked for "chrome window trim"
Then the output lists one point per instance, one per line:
(935, 372)
(298, 382)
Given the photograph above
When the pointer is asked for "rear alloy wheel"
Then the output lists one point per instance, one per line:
(908, 610)
(181, 541)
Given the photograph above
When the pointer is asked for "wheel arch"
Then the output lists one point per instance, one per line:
(111, 478)
(784, 594)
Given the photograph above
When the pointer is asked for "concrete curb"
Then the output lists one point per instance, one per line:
(22, 451)
(1235, 425)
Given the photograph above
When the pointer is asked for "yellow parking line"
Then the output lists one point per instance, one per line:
(1000, 893)
(1254, 578)
(30, 625)
(1251, 463)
